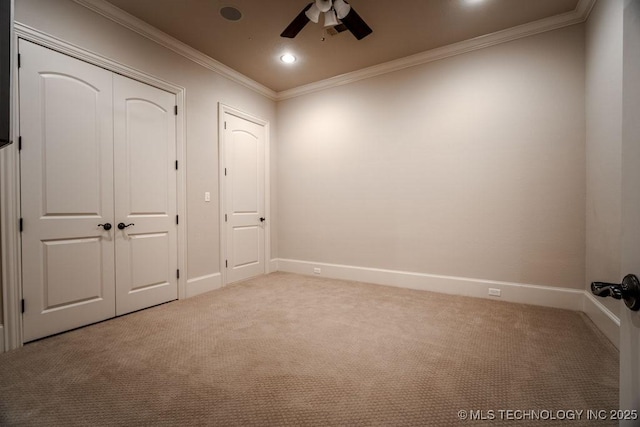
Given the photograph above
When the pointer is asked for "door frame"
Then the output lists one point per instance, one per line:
(222, 110)
(11, 250)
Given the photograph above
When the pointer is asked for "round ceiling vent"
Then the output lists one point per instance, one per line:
(230, 13)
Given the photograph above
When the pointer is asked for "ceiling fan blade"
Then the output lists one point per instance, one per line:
(356, 25)
(297, 24)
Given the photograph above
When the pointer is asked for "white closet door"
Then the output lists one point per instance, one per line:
(244, 197)
(145, 182)
(66, 167)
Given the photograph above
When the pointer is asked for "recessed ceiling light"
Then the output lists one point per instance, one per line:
(230, 13)
(288, 58)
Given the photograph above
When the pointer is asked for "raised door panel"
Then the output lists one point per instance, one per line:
(243, 161)
(73, 283)
(66, 162)
(71, 150)
(147, 144)
(149, 250)
(246, 250)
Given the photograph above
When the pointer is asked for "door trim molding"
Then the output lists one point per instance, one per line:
(222, 110)
(10, 182)
(10, 244)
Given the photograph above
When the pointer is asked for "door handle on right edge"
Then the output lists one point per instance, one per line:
(628, 290)
(122, 225)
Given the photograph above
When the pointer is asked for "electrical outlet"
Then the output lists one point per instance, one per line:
(316, 270)
(494, 292)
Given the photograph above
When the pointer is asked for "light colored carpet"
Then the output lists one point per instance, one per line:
(291, 350)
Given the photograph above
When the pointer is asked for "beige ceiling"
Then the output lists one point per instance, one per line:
(401, 28)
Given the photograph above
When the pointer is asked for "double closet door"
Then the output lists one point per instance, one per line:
(98, 193)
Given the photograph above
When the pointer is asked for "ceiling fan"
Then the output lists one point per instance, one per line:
(336, 12)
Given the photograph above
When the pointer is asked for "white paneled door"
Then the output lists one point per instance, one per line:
(66, 127)
(244, 143)
(97, 150)
(145, 208)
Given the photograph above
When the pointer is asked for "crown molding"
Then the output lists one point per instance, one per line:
(584, 8)
(123, 18)
(26, 32)
(576, 16)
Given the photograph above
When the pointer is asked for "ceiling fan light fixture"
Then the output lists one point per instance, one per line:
(313, 13)
(323, 5)
(342, 8)
(337, 14)
(330, 19)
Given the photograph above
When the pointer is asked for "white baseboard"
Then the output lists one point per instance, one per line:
(202, 284)
(1, 339)
(273, 265)
(602, 317)
(570, 299)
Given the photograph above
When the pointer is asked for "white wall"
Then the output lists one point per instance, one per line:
(604, 145)
(471, 166)
(204, 89)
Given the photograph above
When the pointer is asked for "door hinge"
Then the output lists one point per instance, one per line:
(226, 263)
(176, 165)
(177, 220)
(225, 171)
(225, 217)
(22, 304)
(178, 273)
(19, 60)
(19, 143)
(175, 110)
(225, 125)
(20, 225)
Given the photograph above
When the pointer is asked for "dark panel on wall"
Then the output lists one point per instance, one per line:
(5, 70)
